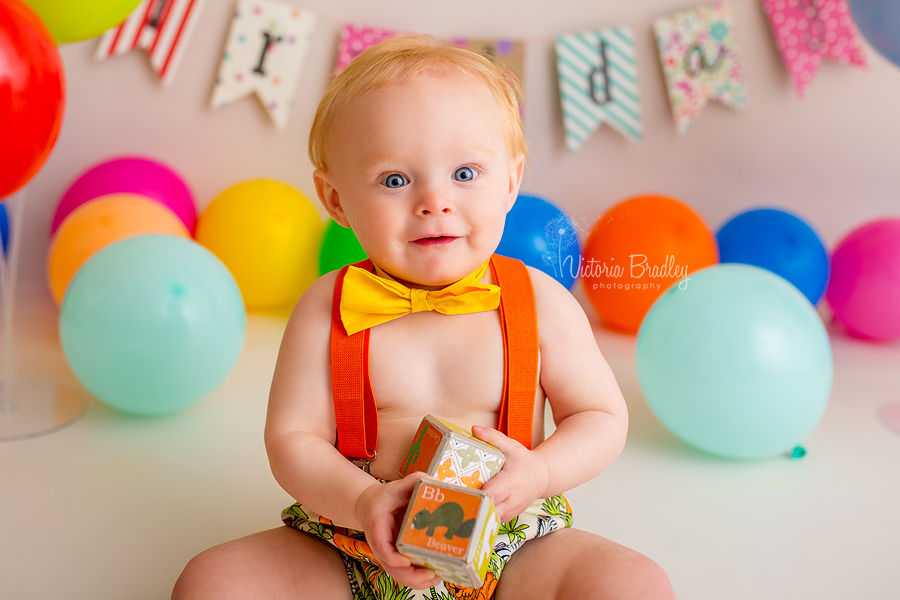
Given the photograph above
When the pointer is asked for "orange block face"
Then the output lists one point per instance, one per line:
(636, 251)
(442, 520)
(422, 450)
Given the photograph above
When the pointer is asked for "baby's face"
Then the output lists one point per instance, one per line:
(423, 174)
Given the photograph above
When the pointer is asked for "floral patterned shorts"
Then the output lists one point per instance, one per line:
(368, 581)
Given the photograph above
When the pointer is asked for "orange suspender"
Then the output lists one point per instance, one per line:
(355, 412)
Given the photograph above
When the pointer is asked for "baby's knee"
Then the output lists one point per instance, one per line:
(211, 574)
(650, 579)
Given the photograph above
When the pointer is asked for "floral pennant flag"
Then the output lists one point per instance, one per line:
(508, 53)
(355, 39)
(265, 50)
(598, 84)
(700, 61)
(161, 27)
(809, 30)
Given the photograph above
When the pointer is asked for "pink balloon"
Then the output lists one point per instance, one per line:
(134, 175)
(864, 291)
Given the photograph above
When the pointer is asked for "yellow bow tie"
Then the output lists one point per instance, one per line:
(367, 299)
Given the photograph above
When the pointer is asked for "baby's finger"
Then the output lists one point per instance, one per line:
(417, 578)
(496, 438)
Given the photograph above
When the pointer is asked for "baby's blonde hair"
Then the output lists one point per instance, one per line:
(400, 60)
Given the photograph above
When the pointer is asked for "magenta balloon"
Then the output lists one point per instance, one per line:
(133, 175)
(864, 291)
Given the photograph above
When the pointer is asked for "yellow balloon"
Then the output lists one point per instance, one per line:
(97, 224)
(268, 235)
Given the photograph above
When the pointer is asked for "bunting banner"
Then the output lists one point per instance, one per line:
(700, 60)
(508, 53)
(161, 27)
(598, 84)
(807, 31)
(355, 39)
(264, 52)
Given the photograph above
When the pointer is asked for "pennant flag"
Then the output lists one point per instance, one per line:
(508, 53)
(598, 84)
(265, 50)
(808, 31)
(700, 60)
(161, 27)
(355, 39)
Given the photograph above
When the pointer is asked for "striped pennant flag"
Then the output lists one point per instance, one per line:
(598, 84)
(161, 27)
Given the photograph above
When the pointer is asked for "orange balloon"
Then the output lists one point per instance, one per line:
(637, 250)
(99, 223)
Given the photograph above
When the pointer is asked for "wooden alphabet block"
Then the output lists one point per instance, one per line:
(450, 454)
(451, 530)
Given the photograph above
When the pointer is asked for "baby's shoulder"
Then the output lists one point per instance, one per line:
(555, 305)
(313, 310)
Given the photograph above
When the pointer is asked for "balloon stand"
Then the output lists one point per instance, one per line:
(27, 408)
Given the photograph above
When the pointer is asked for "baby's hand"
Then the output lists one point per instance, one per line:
(522, 480)
(380, 509)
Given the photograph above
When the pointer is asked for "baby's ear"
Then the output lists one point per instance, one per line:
(516, 173)
(329, 197)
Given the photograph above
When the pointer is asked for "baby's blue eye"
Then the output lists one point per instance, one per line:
(465, 174)
(394, 181)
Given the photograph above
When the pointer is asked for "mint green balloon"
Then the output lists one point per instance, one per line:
(77, 20)
(339, 247)
(151, 324)
(735, 362)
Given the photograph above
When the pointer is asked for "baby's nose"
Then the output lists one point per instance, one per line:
(434, 202)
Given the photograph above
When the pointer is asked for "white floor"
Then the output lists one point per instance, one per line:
(113, 506)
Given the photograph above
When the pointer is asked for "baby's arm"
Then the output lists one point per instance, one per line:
(300, 436)
(588, 409)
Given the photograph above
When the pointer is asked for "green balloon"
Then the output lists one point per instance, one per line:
(339, 247)
(736, 362)
(152, 324)
(71, 21)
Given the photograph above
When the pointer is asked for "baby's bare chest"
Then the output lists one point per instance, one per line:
(432, 363)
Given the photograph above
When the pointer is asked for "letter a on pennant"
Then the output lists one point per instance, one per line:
(161, 27)
(808, 31)
(700, 60)
(265, 50)
(598, 84)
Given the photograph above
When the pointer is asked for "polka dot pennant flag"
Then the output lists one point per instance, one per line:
(507, 53)
(161, 27)
(598, 84)
(355, 39)
(264, 52)
(807, 31)
(700, 61)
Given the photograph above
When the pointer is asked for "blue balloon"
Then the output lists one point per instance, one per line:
(4, 226)
(879, 22)
(779, 242)
(152, 324)
(544, 237)
(735, 362)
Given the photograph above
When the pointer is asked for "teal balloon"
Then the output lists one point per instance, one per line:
(339, 247)
(151, 324)
(736, 362)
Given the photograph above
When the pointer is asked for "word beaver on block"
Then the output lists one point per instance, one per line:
(449, 453)
(451, 530)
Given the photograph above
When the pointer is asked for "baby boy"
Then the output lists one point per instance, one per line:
(418, 147)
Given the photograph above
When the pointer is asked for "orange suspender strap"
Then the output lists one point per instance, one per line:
(356, 417)
(518, 320)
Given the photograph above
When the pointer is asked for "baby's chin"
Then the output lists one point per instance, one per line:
(437, 277)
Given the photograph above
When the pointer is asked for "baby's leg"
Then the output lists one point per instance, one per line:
(279, 563)
(576, 564)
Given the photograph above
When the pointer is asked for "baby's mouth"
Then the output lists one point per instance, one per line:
(435, 240)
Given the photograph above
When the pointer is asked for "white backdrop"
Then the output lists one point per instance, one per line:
(833, 157)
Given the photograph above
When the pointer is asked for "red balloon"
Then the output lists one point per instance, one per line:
(32, 95)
